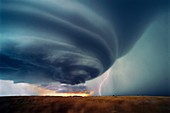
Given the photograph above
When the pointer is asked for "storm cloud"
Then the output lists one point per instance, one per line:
(60, 41)
(67, 41)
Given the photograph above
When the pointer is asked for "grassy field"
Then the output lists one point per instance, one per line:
(105, 104)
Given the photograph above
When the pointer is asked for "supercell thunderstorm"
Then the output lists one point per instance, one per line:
(49, 42)
(64, 41)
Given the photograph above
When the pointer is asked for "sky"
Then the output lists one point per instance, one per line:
(143, 70)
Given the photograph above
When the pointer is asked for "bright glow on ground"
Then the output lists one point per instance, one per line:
(81, 94)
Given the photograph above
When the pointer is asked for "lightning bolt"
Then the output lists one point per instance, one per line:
(101, 84)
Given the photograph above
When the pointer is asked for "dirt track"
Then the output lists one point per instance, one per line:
(115, 104)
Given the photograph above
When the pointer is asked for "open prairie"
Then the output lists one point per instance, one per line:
(105, 104)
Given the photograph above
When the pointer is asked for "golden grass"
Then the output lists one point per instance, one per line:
(114, 104)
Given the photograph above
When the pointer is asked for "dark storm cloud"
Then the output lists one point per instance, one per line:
(61, 41)
(67, 41)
